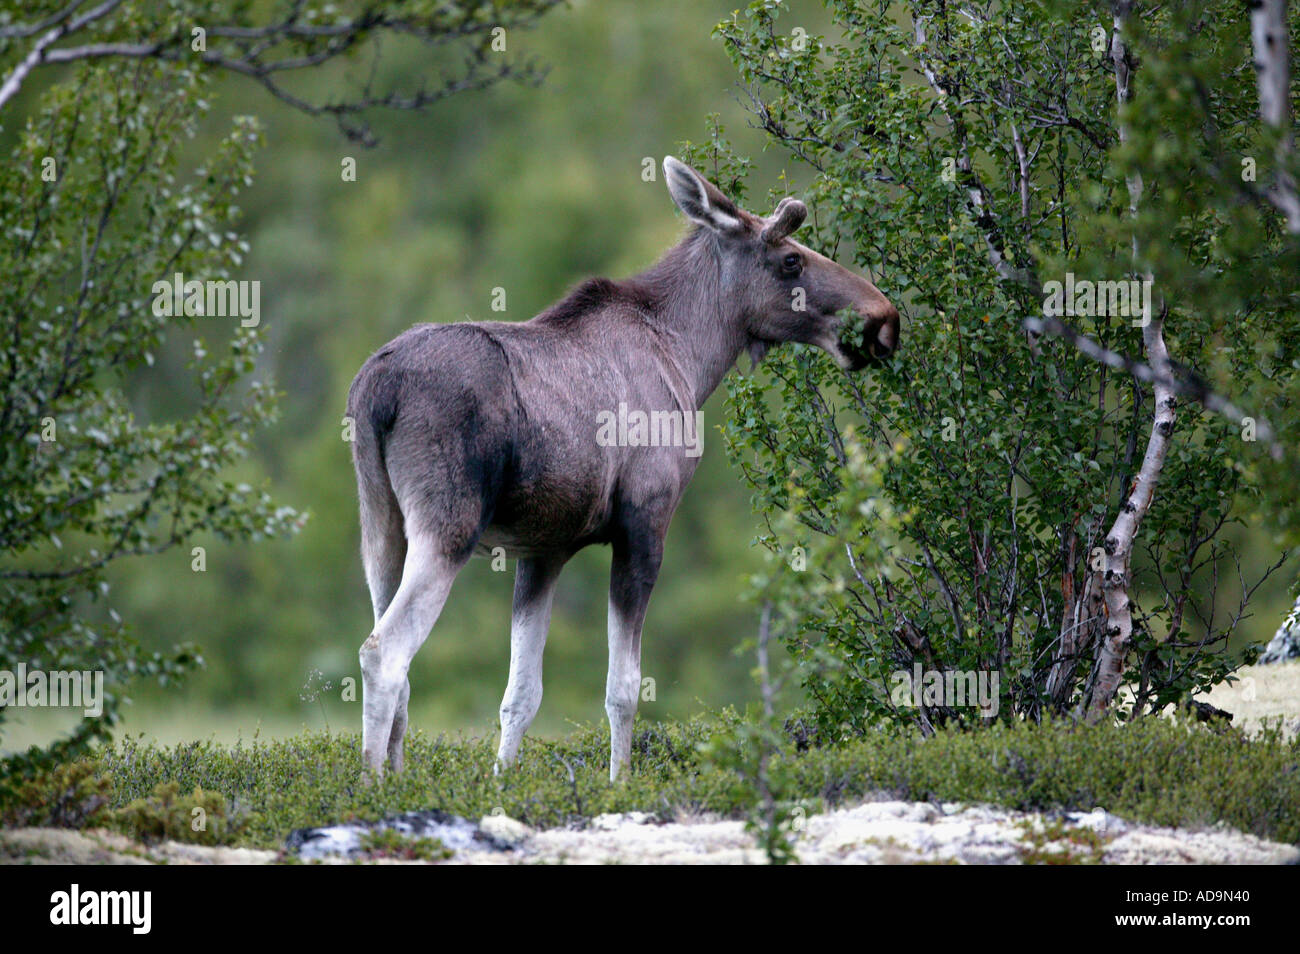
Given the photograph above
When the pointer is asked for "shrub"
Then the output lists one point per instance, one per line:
(202, 817)
(1152, 771)
(1000, 462)
(72, 795)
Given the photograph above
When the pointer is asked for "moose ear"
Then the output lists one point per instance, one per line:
(787, 218)
(701, 202)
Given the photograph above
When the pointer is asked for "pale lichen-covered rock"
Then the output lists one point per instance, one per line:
(893, 832)
(1285, 643)
(1166, 846)
(505, 829)
(178, 853)
(1260, 695)
(456, 834)
(618, 820)
(878, 832)
(60, 846)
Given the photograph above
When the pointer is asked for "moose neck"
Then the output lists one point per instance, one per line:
(699, 323)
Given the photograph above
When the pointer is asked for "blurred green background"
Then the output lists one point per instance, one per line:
(528, 189)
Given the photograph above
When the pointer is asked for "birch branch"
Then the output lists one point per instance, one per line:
(65, 24)
(300, 46)
(977, 196)
(1271, 47)
(1269, 38)
(1183, 381)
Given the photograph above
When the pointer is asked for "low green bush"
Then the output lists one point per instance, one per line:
(1151, 771)
(314, 779)
(72, 795)
(202, 817)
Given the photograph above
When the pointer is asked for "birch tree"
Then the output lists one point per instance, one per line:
(97, 208)
(1063, 459)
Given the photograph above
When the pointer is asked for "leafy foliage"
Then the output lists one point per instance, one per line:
(85, 481)
(966, 159)
(122, 430)
(70, 795)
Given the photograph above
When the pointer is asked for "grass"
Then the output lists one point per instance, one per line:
(1154, 771)
(1259, 693)
(176, 720)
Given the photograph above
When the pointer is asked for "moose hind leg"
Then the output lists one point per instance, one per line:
(396, 758)
(633, 573)
(530, 618)
(427, 576)
(383, 534)
(383, 549)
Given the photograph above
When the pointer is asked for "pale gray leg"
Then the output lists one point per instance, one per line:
(530, 618)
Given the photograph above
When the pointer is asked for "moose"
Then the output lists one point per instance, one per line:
(475, 436)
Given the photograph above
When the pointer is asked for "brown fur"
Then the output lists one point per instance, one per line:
(479, 435)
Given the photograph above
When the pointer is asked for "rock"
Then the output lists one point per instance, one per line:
(1285, 644)
(457, 834)
(62, 846)
(895, 832)
(1098, 820)
(179, 853)
(98, 846)
(1223, 846)
(615, 821)
(504, 829)
(876, 832)
(627, 839)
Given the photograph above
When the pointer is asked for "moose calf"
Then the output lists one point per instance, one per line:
(477, 435)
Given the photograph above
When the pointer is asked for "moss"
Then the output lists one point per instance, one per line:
(1055, 843)
(387, 843)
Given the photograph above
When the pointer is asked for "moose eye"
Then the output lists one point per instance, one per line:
(791, 264)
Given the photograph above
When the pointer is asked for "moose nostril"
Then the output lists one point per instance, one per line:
(887, 336)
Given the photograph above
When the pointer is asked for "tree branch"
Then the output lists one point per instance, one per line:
(1183, 381)
(37, 55)
(243, 49)
(1268, 36)
(977, 196)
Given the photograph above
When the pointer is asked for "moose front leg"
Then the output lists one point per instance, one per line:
(634, 571)
(529, 619)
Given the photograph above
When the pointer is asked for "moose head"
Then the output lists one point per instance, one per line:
(785, 290)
